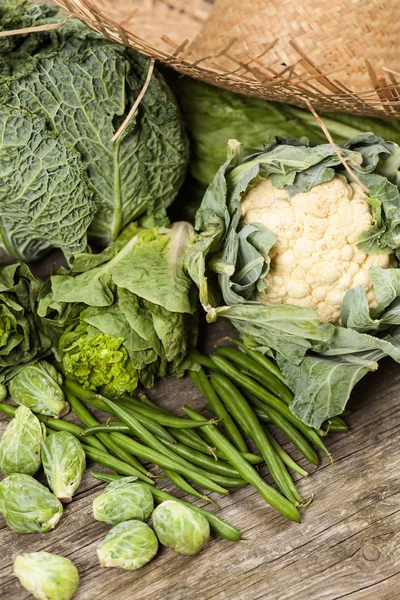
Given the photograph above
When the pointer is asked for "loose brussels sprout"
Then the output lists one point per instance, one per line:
(128, 545)
(180, 528)
(21, 443)
(37, 387)
(47, 576)
(122, 501)
(64, 463)
(27, 505)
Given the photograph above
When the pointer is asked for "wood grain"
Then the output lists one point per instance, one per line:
(347, 546)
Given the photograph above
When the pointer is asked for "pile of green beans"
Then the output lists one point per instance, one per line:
(248, 392)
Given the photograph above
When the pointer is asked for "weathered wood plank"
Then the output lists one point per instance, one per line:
(346, 546)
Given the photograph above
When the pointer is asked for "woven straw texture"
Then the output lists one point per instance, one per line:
(338, 55)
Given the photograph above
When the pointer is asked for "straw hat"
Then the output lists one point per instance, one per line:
(337, 54)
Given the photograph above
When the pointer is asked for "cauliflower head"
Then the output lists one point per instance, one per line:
(316, 259)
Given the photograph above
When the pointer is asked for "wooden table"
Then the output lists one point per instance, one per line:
(347, 546)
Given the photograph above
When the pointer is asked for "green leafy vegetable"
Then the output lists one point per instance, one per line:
(37, 387)
(64, 463)
(27, 505)
(21, 444)
(47, 576)
(137, 311)
(61, 99)
(21, 341)
(114, 374)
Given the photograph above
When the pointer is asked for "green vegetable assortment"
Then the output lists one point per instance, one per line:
(296, 246)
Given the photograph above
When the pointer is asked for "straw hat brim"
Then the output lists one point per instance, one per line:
(198, 39)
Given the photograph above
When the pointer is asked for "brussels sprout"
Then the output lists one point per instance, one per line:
(35, 387)
(3, 392)
(27, 505)
(64, 463)
(47, 576)
(21, 443)
(180, 528)
(128, 545)
(122, 501)
(52, 371)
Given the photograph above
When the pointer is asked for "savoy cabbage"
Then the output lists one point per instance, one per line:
(63, 94)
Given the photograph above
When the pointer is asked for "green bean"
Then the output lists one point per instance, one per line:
(240, 409)
(150, 440)
(89, 420)
(184, 486)
(270, 495)
(58, 425)
(205, 448)
(293, 434)
(182, 436)
(143, 399)
(163, 418)
(253, 459)
(249, 385)
(7, 409)
(204, 461)
(155, 428)
(338, 428)
(204, 361)
(337, 425)
(217, 525)
(165, 462)
(290, 485)
(168, 420)
(106, 477)
(103, 458)
(287, 459)
(268, 379)
(263, 361)
(217, 407)
(106, 428)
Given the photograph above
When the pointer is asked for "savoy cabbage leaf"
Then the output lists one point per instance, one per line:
(38, 176)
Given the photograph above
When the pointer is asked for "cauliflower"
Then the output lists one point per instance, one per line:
(316, 259)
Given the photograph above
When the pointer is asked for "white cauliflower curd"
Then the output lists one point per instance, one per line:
(315, 260)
